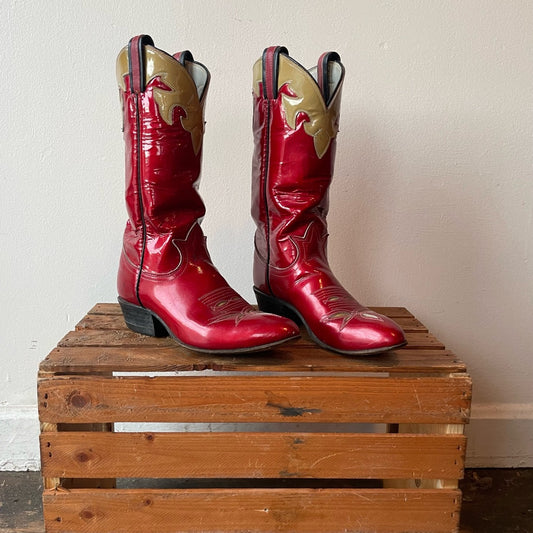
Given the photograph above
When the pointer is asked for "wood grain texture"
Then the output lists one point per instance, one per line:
(252, 455)
(102, 343)
(126, 337)
(97, 359)
(423, 385)
(49, 482)
(253, 510)
(262, 399)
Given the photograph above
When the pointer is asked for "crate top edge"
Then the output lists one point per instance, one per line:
(108, 350)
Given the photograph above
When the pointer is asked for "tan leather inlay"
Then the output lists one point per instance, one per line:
(122, 67)
(323, 121)
(258, 75)
(182, 90)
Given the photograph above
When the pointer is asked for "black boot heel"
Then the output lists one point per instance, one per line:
(141, 320)
(271, 304)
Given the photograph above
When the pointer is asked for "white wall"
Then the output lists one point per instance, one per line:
(431, 207)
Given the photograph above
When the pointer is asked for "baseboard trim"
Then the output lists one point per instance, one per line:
(503, 411)
(19, 438)
(500, 436)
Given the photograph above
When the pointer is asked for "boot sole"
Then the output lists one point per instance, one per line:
(271, 304)
(142, 320)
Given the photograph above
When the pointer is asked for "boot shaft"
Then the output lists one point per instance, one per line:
(307, 97)
(163, 101)
(166, 281)
(296, 117)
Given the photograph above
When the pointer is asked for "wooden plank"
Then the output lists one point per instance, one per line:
(261, 399)
(392, 312)
(175, 359)
(416, 340)
(123, 337)
(253, 510)
(445, 429)
(105, 309)
(53, 483)
(411, 325)
(49, 482)
(96, 321)
(48, 427)
(126, 337)
(252, 455)
(113, 321)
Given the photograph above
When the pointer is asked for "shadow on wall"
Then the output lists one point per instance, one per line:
(430, 219)
(363, 219)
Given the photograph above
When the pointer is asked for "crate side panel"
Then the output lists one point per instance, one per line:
(252, 455)
(292, 358)
(261, 399)
(253, 510)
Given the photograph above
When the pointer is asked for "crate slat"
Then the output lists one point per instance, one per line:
(97, 321)
(252, 455)
(252, 510)
(176, 359)
(126, 337)
(261, 399)
(104, 308)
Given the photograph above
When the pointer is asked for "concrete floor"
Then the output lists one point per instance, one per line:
(494, 501)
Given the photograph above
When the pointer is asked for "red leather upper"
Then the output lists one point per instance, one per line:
(165, 266)
(289, 206)
(165, 173)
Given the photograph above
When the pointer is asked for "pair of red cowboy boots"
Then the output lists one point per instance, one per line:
(167, 283)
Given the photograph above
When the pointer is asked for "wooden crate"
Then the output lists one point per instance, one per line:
(297, 439)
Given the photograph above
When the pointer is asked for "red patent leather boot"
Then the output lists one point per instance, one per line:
(167, 283)
(296, 114)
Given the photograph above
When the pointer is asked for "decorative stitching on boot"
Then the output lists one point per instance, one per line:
(342, 306)
(226, 304)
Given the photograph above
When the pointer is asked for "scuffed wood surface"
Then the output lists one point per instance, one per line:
(102, 343)
(253, 510)
(251, 455)
(237, 398)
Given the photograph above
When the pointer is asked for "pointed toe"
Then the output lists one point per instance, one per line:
(370, 333)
